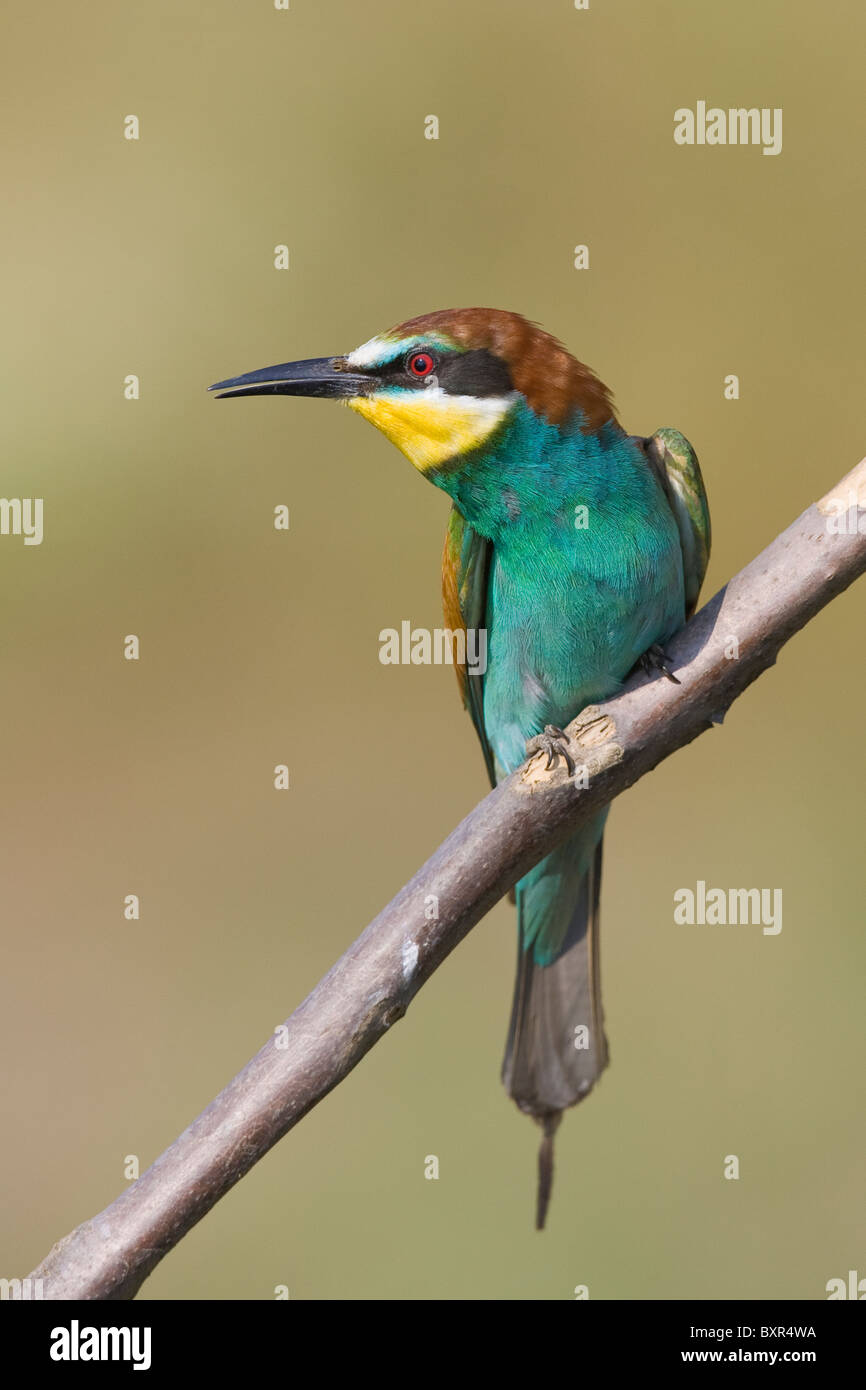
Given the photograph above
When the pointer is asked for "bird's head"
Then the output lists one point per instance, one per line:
(441, 385)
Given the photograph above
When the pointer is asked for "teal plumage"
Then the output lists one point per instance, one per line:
(586, 573)
(570, 607)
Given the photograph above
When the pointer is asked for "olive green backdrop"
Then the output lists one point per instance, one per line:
(154, 777)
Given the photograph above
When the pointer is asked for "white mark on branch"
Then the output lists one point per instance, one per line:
(410, 958)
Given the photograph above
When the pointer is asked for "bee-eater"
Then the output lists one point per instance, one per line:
(580, 550)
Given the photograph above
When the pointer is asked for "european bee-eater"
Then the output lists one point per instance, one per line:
(579, 548)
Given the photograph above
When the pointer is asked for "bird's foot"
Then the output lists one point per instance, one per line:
(655, 661)
(552, 742)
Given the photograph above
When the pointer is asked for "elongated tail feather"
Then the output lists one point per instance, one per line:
(550, 1124)
(556, 1047)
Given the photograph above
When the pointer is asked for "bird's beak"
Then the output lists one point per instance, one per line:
(318, 376)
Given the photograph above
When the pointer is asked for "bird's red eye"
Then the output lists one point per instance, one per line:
(420, 363)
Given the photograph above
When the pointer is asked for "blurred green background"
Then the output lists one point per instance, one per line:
(155, 257)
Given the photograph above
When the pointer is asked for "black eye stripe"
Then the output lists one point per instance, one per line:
(474, 373)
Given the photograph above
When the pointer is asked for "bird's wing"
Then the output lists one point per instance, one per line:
(465, 573)
(676, 465)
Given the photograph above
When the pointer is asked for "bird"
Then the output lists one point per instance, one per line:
(579, 550)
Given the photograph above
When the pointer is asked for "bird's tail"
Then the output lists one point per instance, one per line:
(556, 1046)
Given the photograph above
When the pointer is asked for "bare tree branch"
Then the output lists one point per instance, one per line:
(717, 655)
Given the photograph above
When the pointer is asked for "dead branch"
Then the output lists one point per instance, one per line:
(717, 655)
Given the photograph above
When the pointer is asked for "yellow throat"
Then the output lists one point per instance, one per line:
(432, 426)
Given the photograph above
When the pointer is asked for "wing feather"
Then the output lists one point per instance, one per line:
(677, 468)
(465, 577)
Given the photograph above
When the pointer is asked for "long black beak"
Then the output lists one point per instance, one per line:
(318, 376)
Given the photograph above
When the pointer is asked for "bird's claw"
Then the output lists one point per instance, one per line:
(655, 661)
(551, 742)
